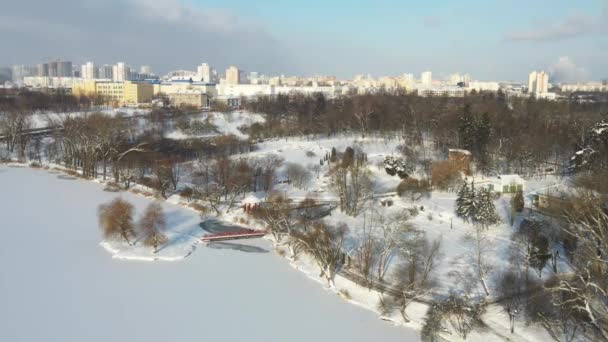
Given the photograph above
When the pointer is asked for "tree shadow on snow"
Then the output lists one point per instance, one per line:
(237, 247)
(64, 177)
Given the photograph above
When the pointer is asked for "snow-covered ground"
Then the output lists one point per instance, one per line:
(58, 284)
(42, 119)
(226, 124)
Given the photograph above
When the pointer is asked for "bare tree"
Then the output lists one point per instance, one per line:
(116, 219)
(152, 226)
(365, 252)
(414, 274)
(325, 244)
(395, 230)
(456, 312)
(298, 175)
(511, 289)
(588, 288)
(482, 247)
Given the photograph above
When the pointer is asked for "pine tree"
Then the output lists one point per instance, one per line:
(517, 202)
(465, 201)
(466, 129)
(485, 211)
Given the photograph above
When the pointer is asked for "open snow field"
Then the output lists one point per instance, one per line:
(58, 284)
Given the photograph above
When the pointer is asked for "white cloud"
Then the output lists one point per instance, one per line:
(565, 70)
(577, 24)
(162, 33)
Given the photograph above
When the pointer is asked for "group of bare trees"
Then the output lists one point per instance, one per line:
(512, 135)
(116, 221)
(350, 179)
(571, 302)
(13, 129)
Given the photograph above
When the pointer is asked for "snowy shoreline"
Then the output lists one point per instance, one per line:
(347, 290)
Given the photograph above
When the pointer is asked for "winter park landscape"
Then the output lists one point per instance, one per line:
(366, 232)
(318, 171)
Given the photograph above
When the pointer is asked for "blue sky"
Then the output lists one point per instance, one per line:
(387, 36)
(491, 40)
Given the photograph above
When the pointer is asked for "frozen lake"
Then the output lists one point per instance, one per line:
(58, 284)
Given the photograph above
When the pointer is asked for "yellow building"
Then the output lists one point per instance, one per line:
(136, 93)
(115, 93)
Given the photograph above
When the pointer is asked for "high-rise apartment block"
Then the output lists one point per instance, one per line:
(88, 71)
(121, 72)
(233, 75)
(426, 78)
(538, 82)
(203, 73)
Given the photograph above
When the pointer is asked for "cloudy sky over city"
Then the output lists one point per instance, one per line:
(500, 40)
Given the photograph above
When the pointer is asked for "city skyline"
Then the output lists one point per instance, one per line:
(388, 38)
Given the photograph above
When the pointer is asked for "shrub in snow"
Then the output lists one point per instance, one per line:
(397, 166)
(414, 188)
(444, 174)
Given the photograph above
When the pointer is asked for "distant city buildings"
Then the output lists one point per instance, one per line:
(105, 72)
(88, 71)
(57, 68)
(203, 73)
(19, 72)
(120, 84)
(121, 72)
(538, 83)
(145, 70)
(458, 79)
(233, 75)
(426, 78)
(586, 87)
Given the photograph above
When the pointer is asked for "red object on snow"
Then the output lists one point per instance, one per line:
(240, 234)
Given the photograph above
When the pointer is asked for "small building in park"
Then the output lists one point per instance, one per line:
(189, 98)
(554, 200)
(460, 159)
(503, 184)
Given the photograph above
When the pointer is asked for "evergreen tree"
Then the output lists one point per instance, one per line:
(466, 129)
(485, 211)
(482, 138)
(517, 202)
(465, 202)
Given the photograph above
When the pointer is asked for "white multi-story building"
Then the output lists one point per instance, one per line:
(449, 91)
(233, 75)
(105, 72)
(538, 82)
(203, 73)
(88, 71)
(590, 86)
(426, 78)
(49, 82)
(483, 86)
(145, 70)
(121, 72)
(409, 79)
(19, 72)
(457, 78)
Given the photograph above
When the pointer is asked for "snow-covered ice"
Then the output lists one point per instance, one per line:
(58, 284)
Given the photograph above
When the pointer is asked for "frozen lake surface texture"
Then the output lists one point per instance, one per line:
(58, 284)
